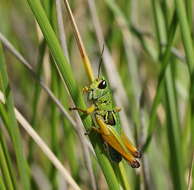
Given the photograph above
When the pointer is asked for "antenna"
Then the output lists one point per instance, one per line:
(100, 61)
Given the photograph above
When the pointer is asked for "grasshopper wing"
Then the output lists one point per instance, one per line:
(110, 135)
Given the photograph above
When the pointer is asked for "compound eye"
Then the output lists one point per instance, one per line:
(102, 84)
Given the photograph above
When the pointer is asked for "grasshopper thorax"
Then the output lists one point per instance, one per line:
(100, 95)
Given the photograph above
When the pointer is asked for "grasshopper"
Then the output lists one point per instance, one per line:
(107, 124)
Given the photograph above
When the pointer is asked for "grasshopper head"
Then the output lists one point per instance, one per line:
(98, 88)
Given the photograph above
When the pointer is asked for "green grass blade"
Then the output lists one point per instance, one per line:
(186, 34)
(189, 8)
(55, 122)
(174, 137)
(5, 170)
(2, 185)
(9, 163)
(36, 95)
(124, 176)
(185, 28)
(12, 125)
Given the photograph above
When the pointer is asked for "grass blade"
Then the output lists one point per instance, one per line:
(13, 127)
(5, 169)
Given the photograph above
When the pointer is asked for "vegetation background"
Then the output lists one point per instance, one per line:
(149, 62)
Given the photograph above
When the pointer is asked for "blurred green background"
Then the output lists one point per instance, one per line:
(142, 38)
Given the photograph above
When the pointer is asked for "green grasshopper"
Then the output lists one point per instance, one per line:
(106, 120)
(107, 124)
